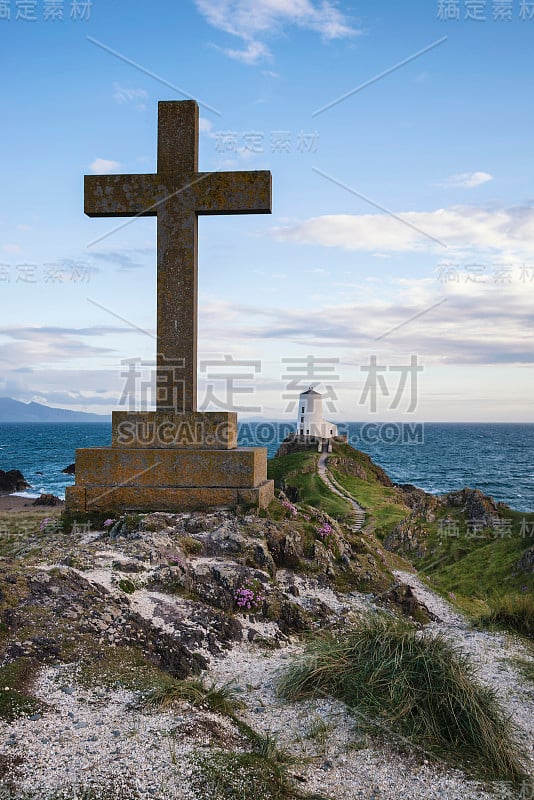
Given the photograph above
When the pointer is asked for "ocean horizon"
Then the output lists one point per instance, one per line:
(497, 458)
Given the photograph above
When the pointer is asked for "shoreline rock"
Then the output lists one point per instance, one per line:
(12, 481)
(47, 500)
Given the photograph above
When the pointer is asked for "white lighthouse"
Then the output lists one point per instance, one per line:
(310, 420)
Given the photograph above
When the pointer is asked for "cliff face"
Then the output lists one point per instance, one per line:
(294, 444)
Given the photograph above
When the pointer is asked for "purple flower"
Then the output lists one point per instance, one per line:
(44, 523)
(290, 507)
(248, 598)
(325, 530)
(108, 522)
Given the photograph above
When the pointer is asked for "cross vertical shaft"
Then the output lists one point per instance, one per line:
(177, 305)
(177, 194)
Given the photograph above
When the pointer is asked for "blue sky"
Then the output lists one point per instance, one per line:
(402, 224)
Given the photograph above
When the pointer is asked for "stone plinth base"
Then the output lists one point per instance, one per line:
(210, 430)
(108, 466)
(153, 498)
(156, 479)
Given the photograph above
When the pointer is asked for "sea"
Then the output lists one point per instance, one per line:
(496, 458)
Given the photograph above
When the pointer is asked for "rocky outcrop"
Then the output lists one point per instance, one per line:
(347, 465)
(296, 444)
(70, 470)
(12, 481)
(402, 598)
(178, 586)
(410, 535)
(477, 506)
(59, 611)
(526, 562)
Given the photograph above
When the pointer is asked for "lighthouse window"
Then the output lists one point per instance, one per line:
(302, 419)
(302, 411)
(307, 432)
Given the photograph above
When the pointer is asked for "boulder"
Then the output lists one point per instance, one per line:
(70, 470)
(476, 505)
(526, 562)
(401, 596)
(12, 481)
(47, 500)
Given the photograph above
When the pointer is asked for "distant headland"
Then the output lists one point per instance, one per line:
(15, 411)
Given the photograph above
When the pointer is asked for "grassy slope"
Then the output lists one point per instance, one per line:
(298, 470)
(381, 502)
(473, 569)
(476, 567)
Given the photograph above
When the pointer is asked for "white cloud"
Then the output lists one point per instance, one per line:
(252, 53)
(122, 95)
(14, 249)
(103, 165)
(24, 228)
(251, 20)
(414, 320)
(502, 231)
(467, 180)
(205, 125)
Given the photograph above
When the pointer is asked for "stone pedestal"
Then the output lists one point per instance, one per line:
(162, 461)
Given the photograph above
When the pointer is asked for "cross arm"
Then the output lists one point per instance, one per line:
(234, 192)
(123, 195)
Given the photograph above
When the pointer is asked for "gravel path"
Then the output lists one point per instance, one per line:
(359, 512)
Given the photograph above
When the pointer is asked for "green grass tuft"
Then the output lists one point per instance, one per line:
(525, 667)
(512, 610)
(127, 585)
(16, 680)
(221, 700)
(242, 776)
(416, 685)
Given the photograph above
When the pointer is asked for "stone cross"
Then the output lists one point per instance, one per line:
(177, 194)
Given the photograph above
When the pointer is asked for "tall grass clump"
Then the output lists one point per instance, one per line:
(415, 685)
(513, 610)
(220, 699)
